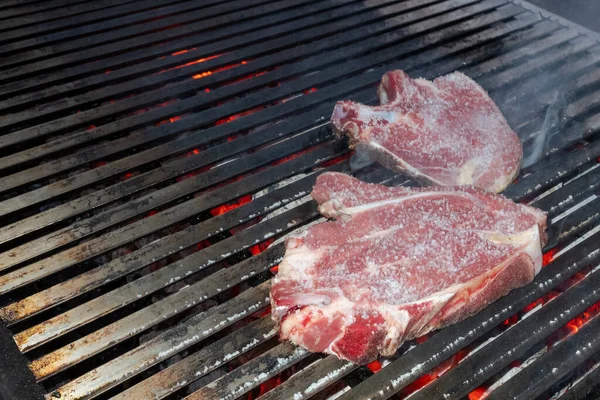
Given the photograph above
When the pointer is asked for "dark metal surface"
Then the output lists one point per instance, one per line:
(125, 125)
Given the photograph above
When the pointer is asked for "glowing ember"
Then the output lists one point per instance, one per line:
(259, 248)
(337, 159)
(182, 51)
(573, 325)
(202, 75)
(198, 61)
(171, 120)
(533, 305)
(127, 176)
(478, 394)
(262, 313)
(511, 321)
(268, 385)
(207, 73)
(375, 366)
(290, 157)
(548, 256)
(239, 115)
(223, 208)
(434, 373)
(195, 172)
(98, 164)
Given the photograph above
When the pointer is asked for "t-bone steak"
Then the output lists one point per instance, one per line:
(398, 262)
(443, 132)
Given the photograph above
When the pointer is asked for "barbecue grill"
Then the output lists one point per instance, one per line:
(155, 154)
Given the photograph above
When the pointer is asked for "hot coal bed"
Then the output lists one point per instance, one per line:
(155, 154)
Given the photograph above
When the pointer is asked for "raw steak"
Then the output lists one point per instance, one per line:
(399, 262)
(447, 132)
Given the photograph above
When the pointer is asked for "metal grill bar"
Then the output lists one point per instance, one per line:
(188, 237)
(515, 342)
(102, 26)
(558, 362)
(584, 387)
(78, 71)
(204, 361)
(251, 374)
(147, 203)
(194, 103)
(192, 54)
(11, 71)
(168, 343)
(24, 200)
(26, 14)
(338, 48)
(250, 52)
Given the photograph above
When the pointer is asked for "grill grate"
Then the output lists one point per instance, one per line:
(151, 151)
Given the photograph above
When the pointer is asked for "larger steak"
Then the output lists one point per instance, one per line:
(399, 262)
(446, 132)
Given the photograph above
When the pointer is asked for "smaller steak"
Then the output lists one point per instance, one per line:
(447, 132)
(399, 262)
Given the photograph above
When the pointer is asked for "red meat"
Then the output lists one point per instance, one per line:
(399, 262)
(447, 132)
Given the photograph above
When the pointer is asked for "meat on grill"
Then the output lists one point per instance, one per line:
(444, 132)
(399, 262)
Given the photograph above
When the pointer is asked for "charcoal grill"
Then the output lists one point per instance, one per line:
(155, 154)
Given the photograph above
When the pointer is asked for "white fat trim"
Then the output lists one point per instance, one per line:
(466, 172)
(397, 322)
(534, 249)
(399, 200)
(412, 170)
(298, 260)
(519, 239)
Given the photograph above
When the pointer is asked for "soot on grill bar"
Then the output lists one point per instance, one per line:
(155, 155)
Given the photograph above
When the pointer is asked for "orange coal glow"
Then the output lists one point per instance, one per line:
(202, 75)
(548, 256)
(182, 51)
(375, 366)
(171, 120)
(433, 374)
(127, 176)
(268, 385)
(573, 326)
(259, 248)
(337, 159)
(207, 73)
(533, 305)
(223, 208)
(198, 61)
(290, 157)
(478, 394)
(238, 115)
(195, 172)
(511, 321)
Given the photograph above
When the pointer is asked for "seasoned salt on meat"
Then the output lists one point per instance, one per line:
(399, 262)
(443, 132)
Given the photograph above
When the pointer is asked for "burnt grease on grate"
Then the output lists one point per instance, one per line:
(154, 153)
